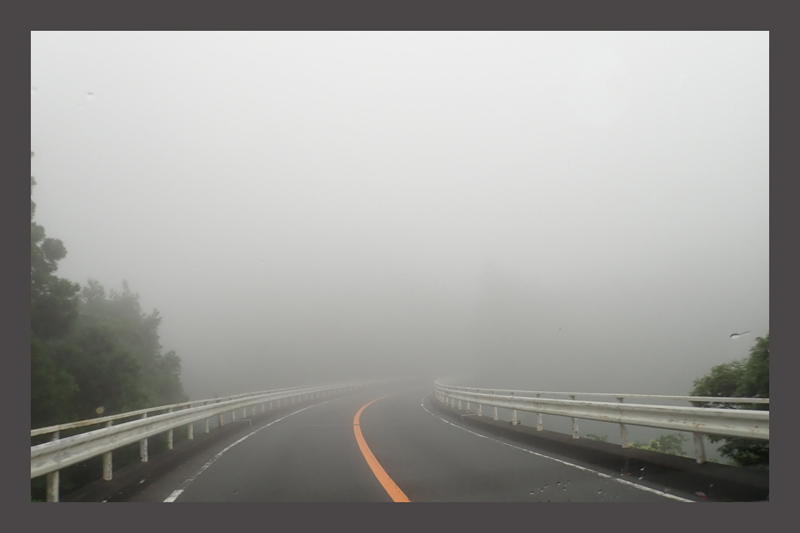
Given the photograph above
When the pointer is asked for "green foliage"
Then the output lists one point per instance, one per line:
(52, 387)
(671, 443)
(54, 310)
(755, 378)
(748, 378)
(594, 436)
(723, 381)
(744, 452)
(115, 355)
(90, 348)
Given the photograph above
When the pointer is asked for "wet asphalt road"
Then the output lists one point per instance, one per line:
(310, 454)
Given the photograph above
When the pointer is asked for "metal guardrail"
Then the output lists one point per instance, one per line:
(705, 399)
(130, 414)
(699, 421)
(49, 458)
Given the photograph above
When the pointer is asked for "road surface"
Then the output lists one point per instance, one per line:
(408, 452)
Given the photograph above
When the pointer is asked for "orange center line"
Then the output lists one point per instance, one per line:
(388, 483)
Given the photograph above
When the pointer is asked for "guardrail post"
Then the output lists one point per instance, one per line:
(539, 421)
(623, 429)
(514, 419)
(107, 459)
(468, 410)
(169, 434)
(233, 415)
(699, 449)
(207, 428)
(459, 405)
(575, 434)
(53, 477)
(190, 431)
(496, 415)
(143, 445)
(270, 405)
(480, 407)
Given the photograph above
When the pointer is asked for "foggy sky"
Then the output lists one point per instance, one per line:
(555, 210)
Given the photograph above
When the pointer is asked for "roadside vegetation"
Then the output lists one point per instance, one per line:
(748, 378)
(668, 443)
(671, 443)
(93, 352)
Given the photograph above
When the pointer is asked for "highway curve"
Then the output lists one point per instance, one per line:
(311, 453)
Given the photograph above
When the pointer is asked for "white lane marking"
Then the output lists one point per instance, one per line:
(601, 474)
(172, 497)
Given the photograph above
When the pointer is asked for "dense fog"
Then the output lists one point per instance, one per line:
(552, 211)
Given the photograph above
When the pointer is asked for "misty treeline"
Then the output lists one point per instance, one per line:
(92, 351)
(748, 378)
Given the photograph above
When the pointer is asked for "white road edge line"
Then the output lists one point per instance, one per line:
(174, 495)
(601, 474)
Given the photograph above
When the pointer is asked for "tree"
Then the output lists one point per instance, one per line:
(723, 381)
(755, 378)
(90, 348)
(54, 310)
(53, 299)
(748, 378)
(115, 356)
